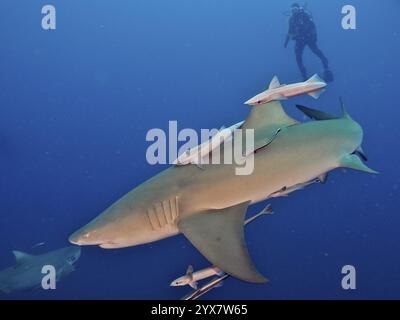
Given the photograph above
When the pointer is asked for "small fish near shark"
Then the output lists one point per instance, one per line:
(208, 206)
(313, 87)
(27, 273)
(196, 154)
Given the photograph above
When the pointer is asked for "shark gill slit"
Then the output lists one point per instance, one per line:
(153, 219)
(167, 213)
(163, 213)
(160, 214)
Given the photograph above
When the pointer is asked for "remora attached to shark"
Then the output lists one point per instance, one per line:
(27, 272)
(209, 206)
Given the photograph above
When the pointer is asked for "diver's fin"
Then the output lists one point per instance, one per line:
(219, 236)
(315, 78)
(315, 114)
(316, 94)
(21, 257)
(274, 83)
(353, 162)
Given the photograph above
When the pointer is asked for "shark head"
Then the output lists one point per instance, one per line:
(117, 227)
(181, 281)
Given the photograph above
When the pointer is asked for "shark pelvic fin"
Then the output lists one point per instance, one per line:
(21, 257)
(219, 236)
(353, 162)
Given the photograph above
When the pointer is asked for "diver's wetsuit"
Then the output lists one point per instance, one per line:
(302, 29)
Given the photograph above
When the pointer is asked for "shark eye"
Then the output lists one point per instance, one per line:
(71, 259)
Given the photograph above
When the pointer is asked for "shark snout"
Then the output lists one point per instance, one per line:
(84, 237)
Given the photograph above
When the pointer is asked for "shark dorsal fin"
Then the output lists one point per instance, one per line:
(21, 256)
(266, 120)
(274, 83)
(218, 235)
(189, 272)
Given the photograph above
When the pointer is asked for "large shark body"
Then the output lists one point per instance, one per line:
(209, 206)
(27, 272)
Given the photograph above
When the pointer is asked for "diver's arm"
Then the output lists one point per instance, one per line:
(290, 31)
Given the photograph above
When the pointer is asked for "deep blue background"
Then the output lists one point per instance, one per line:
(77, 102)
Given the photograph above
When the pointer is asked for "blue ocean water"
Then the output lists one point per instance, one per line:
(76, 104)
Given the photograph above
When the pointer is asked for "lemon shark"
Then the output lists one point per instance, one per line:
(208, 206)
(27, 272)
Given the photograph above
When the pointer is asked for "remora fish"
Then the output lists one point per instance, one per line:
(313, 87)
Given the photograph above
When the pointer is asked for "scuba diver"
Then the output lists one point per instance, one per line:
(302, 30)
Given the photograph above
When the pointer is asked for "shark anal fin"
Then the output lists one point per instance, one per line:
(219, 236)
(353, 162)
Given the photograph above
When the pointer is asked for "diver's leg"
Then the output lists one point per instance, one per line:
(299, 49)
(317, 51)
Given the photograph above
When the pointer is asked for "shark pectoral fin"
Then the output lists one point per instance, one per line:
(219, 236)
(315, 114)
(316, 94)
(353, 162)
(193, 284)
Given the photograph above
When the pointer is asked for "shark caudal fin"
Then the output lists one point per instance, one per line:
(219, 236)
